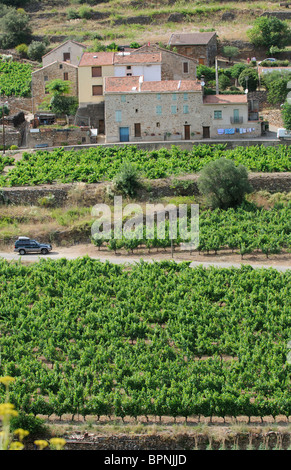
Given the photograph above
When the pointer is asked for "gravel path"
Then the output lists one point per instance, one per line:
(127, 260)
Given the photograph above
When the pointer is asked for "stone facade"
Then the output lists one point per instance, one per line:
(55, 70)
(70, 51)
(199, 46)
(172, 67)
(158, 111)
(51, 137)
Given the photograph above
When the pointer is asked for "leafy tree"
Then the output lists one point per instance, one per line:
(15, 28)
(230, 52)
(36, 50)
(270, 31)
(223, 183)
(237, 69)
(224, 82)
(127, 180)
(60, 103)
(249, 79)
(286, 115)
(276, 85)
(207, 72)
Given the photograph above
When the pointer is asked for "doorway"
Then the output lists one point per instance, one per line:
(206, 132)
(101, 127)
(124, 134)
(187, 132)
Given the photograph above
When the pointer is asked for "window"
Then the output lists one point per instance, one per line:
(158, 96)
(217, 114)
(158, 124)
(174, 97)
(185, 67)
(173, 109)
(96, 71)
(61, 66)
(97, 90)
(66, 76)
(129, 74)
(128, 67)
(158, 109)
(185, 96)
(137, 130)
(118, 116)
(123, 98)
(185, 109)
(66, 56)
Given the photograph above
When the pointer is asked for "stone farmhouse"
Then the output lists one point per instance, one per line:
(70, 51)
(199, 46)
(150, 93)
(139, 110)
(55, 70)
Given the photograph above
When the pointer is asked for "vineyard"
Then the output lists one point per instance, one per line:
(103, 163)
(161, 339)
(245, 229)
(15, 78)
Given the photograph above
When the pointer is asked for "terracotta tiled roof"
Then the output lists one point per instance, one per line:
(141, 58)
(96, 58)
(172, 85)
(225, 99)
(195, 39)
(136, 84)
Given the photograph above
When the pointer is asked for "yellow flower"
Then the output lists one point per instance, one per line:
(41, 443)
(16, 446)
(21, 433)
(58, 442)
(6, 380)
(7, 410)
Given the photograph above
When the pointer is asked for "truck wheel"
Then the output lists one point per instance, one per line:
(44, 251)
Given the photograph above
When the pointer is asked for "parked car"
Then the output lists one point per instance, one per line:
(25, 245)
(269, 59)
(283, 134)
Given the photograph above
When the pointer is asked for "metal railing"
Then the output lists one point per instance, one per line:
(236, 120)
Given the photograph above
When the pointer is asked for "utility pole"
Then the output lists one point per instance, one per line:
(216, 76)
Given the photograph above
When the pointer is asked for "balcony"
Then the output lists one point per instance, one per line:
(236, 120)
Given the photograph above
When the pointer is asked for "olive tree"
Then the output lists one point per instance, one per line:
(223, 184)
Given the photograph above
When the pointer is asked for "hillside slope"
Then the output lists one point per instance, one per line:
(125, 21)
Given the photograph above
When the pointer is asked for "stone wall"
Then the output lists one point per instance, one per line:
(52, 137)
(90, 194)
(181, 441)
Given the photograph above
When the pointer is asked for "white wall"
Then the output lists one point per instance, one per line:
(150, 72)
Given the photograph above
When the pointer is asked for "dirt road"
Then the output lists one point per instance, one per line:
(280, 262)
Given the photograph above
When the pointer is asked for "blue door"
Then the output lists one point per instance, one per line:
(124, 134)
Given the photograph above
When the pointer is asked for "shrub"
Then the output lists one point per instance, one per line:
(14, 147)
(15, 29)
(286, 115)
(127, 180)
(223, 183)
(34, 425)
(22, 50)
(36, 50)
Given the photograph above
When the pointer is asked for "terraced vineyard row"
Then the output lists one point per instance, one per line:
(157, 339)
(103, 163)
